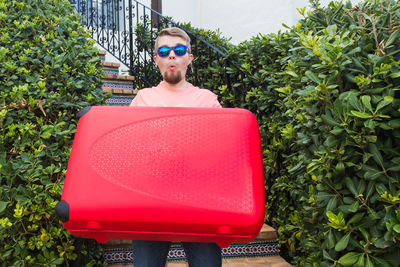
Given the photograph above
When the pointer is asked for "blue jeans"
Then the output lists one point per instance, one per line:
(154, 253)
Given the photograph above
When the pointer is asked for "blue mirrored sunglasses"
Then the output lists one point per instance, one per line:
(179, 50)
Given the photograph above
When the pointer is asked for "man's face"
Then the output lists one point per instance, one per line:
(172, 67)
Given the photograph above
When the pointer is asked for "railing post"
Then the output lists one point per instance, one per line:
(144, 42)
(131, 72)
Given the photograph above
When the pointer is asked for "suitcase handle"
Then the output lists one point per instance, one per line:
(62, 211)
(83, 112)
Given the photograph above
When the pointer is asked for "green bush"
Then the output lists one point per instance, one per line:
(328, 108)
(49, 70)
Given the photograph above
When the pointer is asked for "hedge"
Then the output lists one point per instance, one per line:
(328, 108)
(49, 70)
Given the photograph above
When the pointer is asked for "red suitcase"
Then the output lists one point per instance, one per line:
(177, 174)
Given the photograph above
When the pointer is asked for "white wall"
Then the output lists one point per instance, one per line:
(239, 19)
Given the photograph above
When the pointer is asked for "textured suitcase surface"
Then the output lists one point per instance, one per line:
(178, 174)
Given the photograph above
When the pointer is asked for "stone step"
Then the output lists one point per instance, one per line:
(271, 261)
(108, 67)
(102, 54)
(117, 77)
(263, 251)
(119, 85)
(119, 100)
(113, 65)
(111, 68)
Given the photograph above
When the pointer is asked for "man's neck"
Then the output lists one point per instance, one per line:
(178, 86)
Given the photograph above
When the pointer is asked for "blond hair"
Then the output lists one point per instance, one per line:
(173, 31)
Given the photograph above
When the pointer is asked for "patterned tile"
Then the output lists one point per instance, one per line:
(111, 71)
(176, 253)
(119, 101)
(117, 85)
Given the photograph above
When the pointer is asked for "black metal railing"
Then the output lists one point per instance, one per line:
(127, 29)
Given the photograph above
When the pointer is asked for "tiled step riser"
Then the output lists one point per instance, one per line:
(111, 71)
(264, 248)
(119, 101)
(102, 55)
(110, 68)
(273, 261)
(263, 251)
(120, 86)
(117, 85)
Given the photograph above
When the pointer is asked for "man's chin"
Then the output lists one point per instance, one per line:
(174, 78)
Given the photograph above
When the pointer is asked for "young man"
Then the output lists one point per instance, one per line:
(172, 55)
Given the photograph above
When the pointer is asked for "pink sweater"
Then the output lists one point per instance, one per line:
(162, 96)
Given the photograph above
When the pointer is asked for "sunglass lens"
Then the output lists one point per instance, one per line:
(180, 50)
(164, 51)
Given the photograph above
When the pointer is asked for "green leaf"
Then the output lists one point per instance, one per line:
(396, 228)
(368, 263)
(360, 114)
(364, 233)
(336, 131)
(354, 207)
(395, 168)
(383, 263)
(340, 167)
(384, 102)
(329, 120)
(3, 206)
(370, 189)
(332, 204)
(342, 244)
(321, 196)
(46, 135)
(376, 154)
(349, 259)
(394, 123)
(350, 185)
(356, 218)
(395, 75)
(336, 221)
(392, 38)
(361, 186)
(360, 261)
(326, 255)
(353, 101)
(372, 214)
(312, 77)
(366, 100)
(331, 240)
(58, 261)
(372, 175)
(291, 73)
(380, 243)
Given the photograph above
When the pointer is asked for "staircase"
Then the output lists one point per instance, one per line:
(262, 252)
(121, 86)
